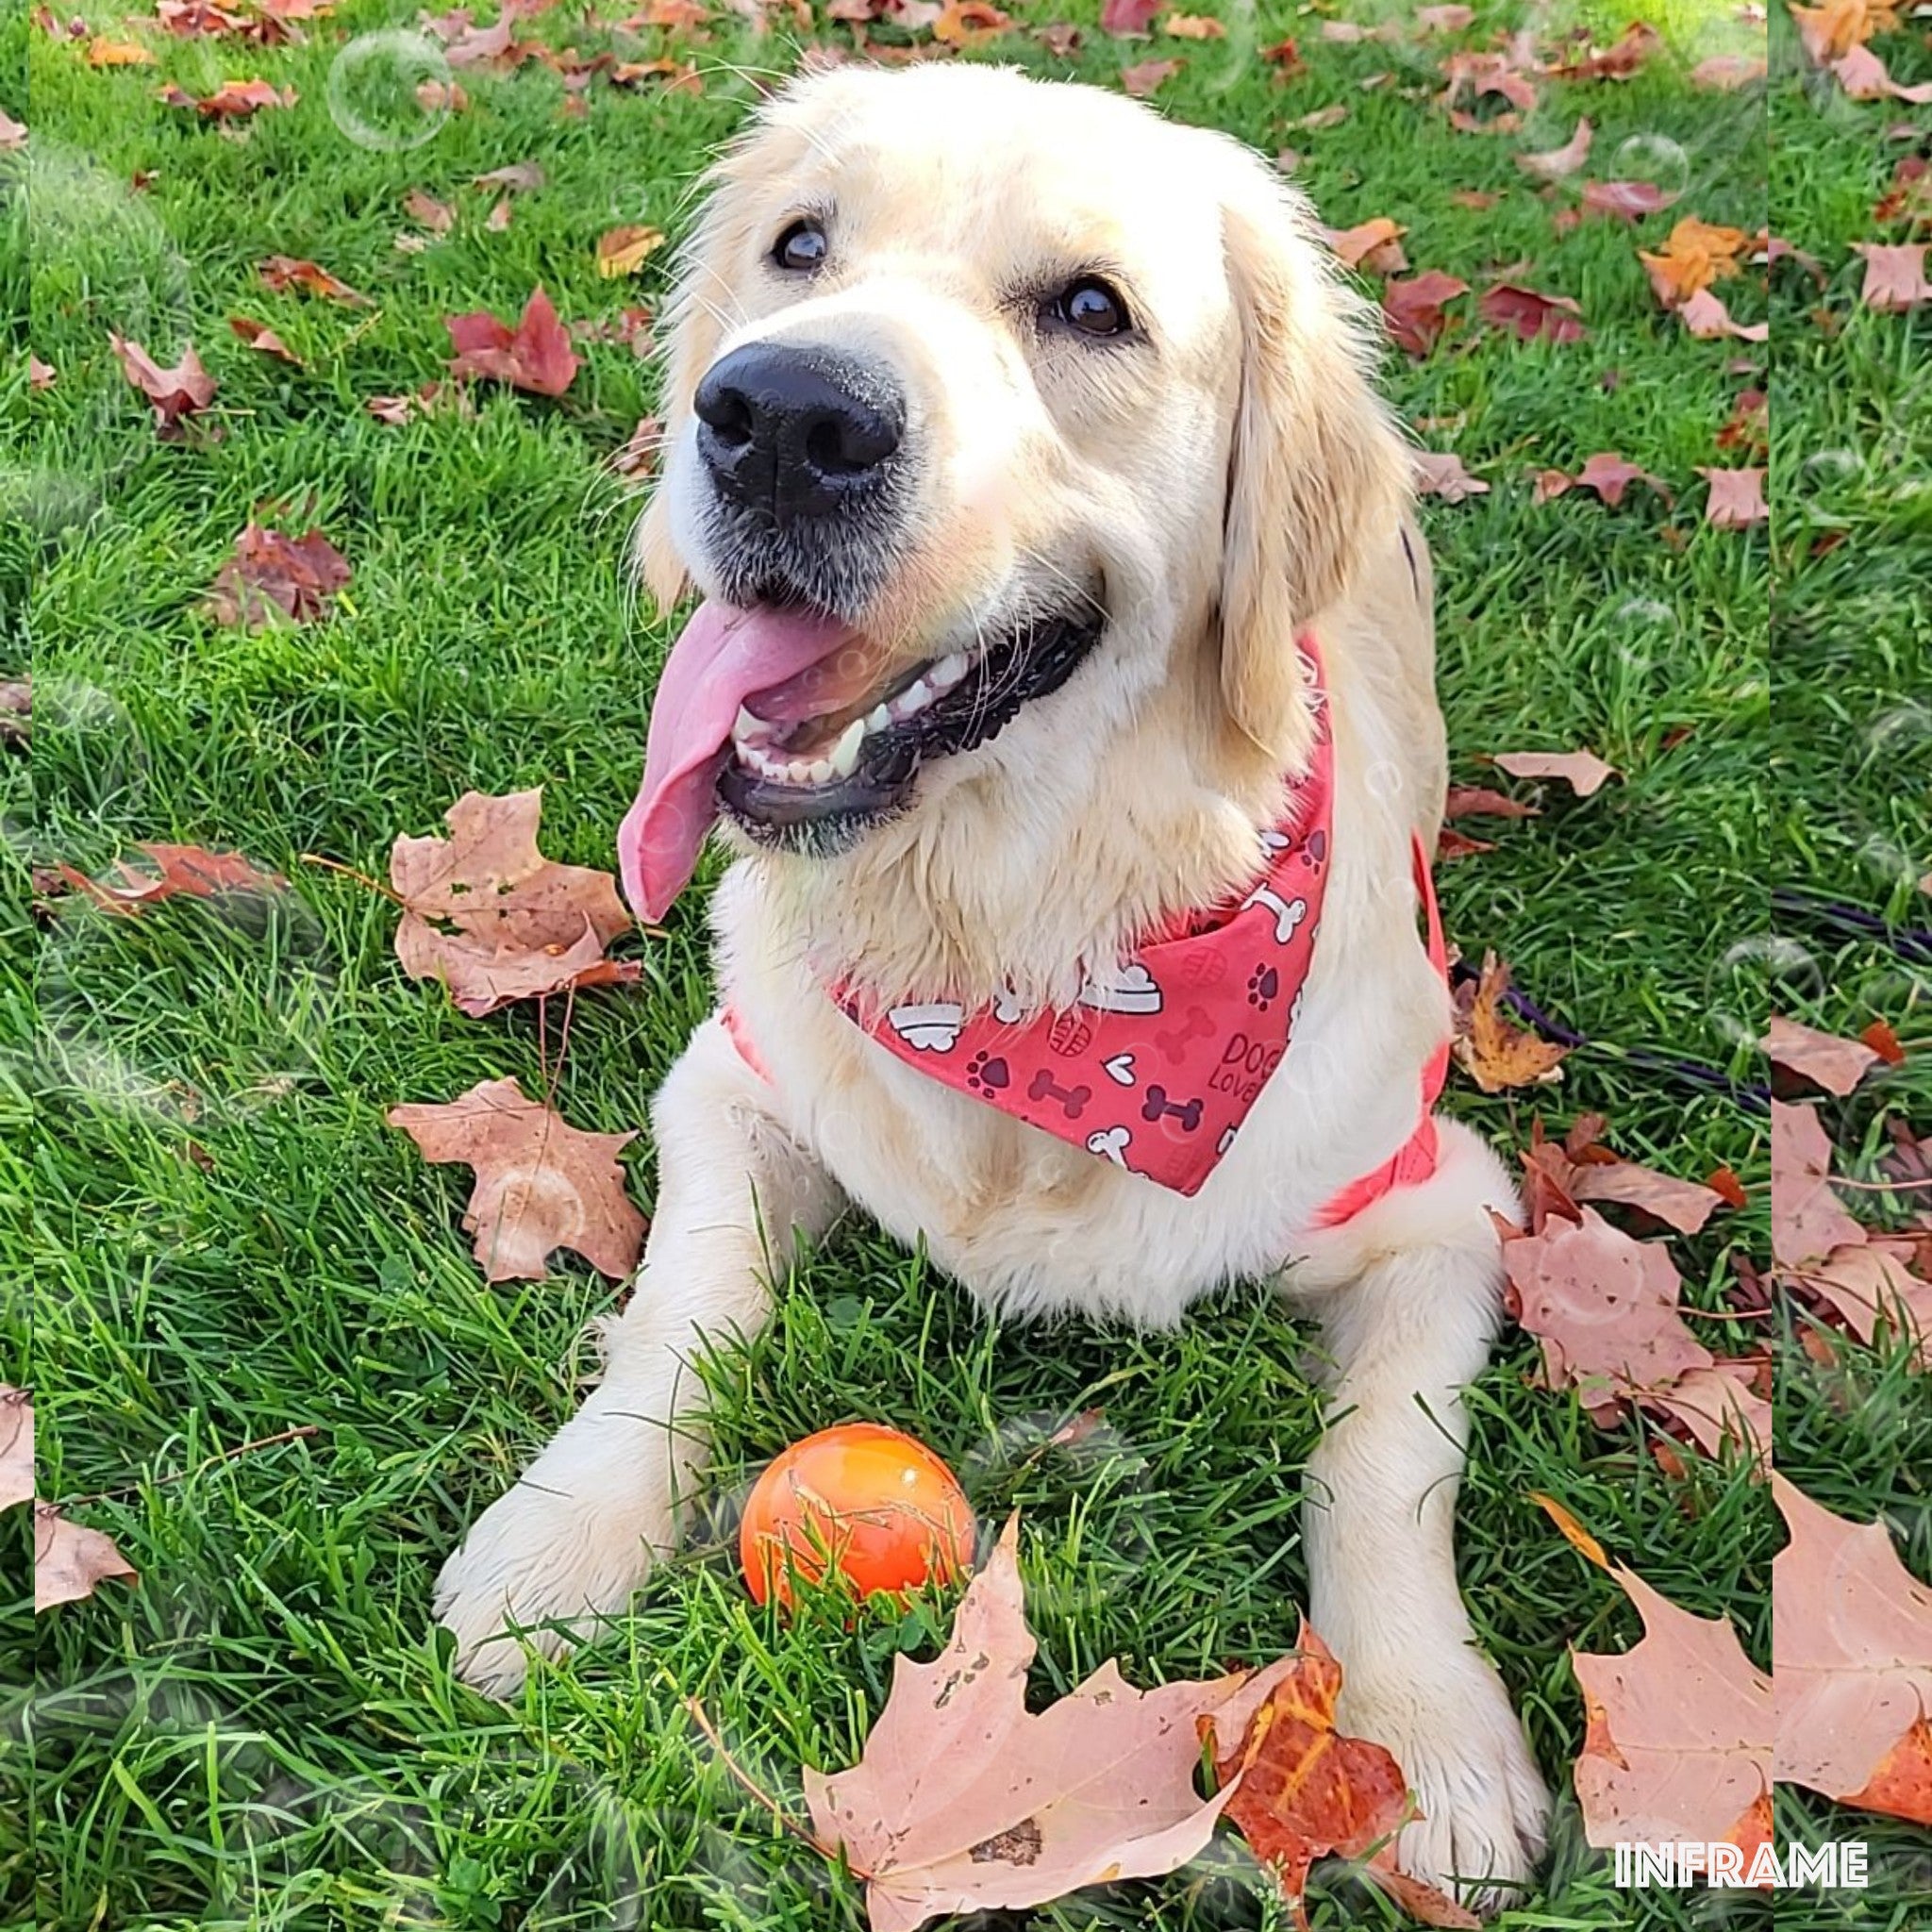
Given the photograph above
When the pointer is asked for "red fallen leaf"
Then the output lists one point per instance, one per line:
(1823, 1058)
(1440, 472)
(1478, 801)
(1894, 276)
(1586, 1170)
(1624, 200)
(1606, 474)
(1285, 58)
(1414, 309)
(1704, 314)
(1851, 1646)
(69, 1559)
(1724, 1182)
(484, 912)
(1476, 75)
(1143, 80)
(541, 1183)
(198, 19)
(1909, 196)
(1531, 316)
(1728, 71)
(1557, 163)
(1863, 76)
(1880, 1038)
(1582, 771)
(233, 100)
(282, 272)
(259, 336)
(175, 394)
(1373, 245)
(1494, 1053)
(534, 356)
(1618, 61)
(1736, 500)
(1450, 843)
(272, 576)
(1128, 16)
(181, 870)
(1307, 1791)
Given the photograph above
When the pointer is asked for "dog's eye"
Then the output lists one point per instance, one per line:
(1093, 306)
(801, 248)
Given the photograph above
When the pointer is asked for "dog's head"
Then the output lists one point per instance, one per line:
(980, 390)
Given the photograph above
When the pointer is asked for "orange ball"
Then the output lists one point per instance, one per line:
(866, 1501)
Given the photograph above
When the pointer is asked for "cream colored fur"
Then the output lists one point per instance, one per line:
(1235, 482)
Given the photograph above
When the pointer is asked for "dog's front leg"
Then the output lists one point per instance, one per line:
(579, 1530)
(1410, 1298)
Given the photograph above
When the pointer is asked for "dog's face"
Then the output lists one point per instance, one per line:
(979, 388)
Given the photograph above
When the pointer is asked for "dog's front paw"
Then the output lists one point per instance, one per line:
(534, 1562)
(1484, 1811)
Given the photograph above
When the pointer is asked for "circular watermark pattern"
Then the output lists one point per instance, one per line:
(1655, 158)
(389, 92)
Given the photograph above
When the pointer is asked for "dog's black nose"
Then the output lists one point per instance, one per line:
(796, 431)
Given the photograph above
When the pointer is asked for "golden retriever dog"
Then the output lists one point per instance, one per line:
(1060, 599)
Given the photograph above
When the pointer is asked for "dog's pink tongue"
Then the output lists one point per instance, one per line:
(725, 657)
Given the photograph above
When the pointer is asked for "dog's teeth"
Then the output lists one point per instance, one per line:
(845, 753)
(877, 717)
(748, 725)
(948, 670)
(819, 771)
(915, 697)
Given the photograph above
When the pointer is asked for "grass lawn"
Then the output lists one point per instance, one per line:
(212, 1237)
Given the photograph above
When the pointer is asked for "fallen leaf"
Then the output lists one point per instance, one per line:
(1736, 500)
(1851, 1646)
(489, 916)
(1862, 76)
(623, 251)
(283, 272)
(639, 456)
(1720, 1405)
(69, 1559)
(16, 711)
(1373, 245)
(1863, 1283)
(40, 376)
(1333, 115)
(16, 1446)
(1620, 61)
(969, 23)
(1143, 80)
(1806, 1219)
(498, 218)
(1450, 843)
(272, 576)
(102, 51)
(1495, 1054)
(234, 100)
(1531, 316)
(175, 394)
(259, 336)
(13, 133)
(1823, 1058)
(1582, 771)
(964, 1800)
(1704, 314)
(437, 216)
(1694, 255)
(1285, 57)
(1909, 196)
(540, 1184)
(534, 356)
(518, 177)
(1414, 309)
(1557, 163)
(1305, 1791)
(1834, 29)
(1478, 801)
(1610, 476)
(1727, 72)
(1586, 1170)
(181, 870)
(1193, 26)
(1894, 276)
(1474, 76)
(1440, 472)
(1625, 201)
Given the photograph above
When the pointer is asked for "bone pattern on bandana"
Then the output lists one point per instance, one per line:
(1157, 1063)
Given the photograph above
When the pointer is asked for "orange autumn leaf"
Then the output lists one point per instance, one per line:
(1839, 25)
(1493, 1052)
(102, 51)
(1695, 255)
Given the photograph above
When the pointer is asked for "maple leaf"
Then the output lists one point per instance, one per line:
(489, 915)
(1894, 276)
(969, 23)
(1414, 309)
(1610, 476)
(273, 576)
(1695, 254)
(102, 51)
(534, 355)
(1727, 72)
(1530, 315)
(1582, 771)
(1583, 1168)
(1865, 1281)
(234, 100)
(16, 1446)
(1193, 26)
(175, 394)
(1823, 1058)
(1143, 80)
(1838, 26)
(1555, 164)
(1476, 75)
(1605, 1307)
(623, 251)
(1618, 61)
(282, 272)
(1807, 1219)
(963, 1800)
(1494, 1054)
(1718, 1405)
(1736, 500)
(69, 1559)
(1851, 1646)
(1307, 1791)
(1909, 196)
(1128, 16)
(1704, 314)
(180, 871)
(1440, 472)
(1679, 1732)
(541, 1183)
(1372, 245)
(1862, 76)
(263, 340)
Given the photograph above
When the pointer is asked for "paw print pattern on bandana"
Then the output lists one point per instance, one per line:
(988, 1072)
(1264, 982)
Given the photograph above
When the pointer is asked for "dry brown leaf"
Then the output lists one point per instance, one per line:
(1495, 1054)
(1414, 309)
(180, 871)
(1582, 771)
(1718, 1405)
(1374, 245)
(541, 1183)
(1894, 276)
(1530, 315)
(536, 354)
(283, 272)
(1839, 25)
(1440, 472)
(1478, 801)
(438, 217)
(1737, 499)
(1608, 475)
(104, 51)
(1727, 72)
(1557, 163)
(1823, 1058)
(1851, 1646)
(69, 1559)
(1704, 314)
(623, 251)
(263, 340)
(1147, 75)
(272, 577)
(16, 1446)
(1193, 26)
(489, 916)
(964, 1800)
(174, 394)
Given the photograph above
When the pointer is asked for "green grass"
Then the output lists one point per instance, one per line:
(211, 1236)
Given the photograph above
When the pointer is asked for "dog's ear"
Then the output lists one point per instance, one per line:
(1317, 474)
